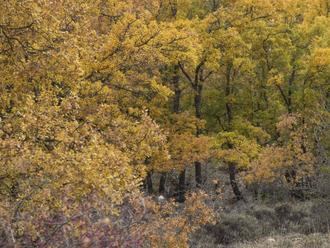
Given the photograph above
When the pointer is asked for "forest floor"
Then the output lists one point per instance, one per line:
(270, 220)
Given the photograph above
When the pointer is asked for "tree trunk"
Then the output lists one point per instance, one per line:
(198, 112)
(291, 81)
(198, 174)
(233, 182)
(229, 108)
(182, 186)
(176, 109)
(198, 101)
(162, 182)
(197, 86)
(148, 183)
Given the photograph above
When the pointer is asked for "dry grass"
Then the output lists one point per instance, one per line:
(296, 225)
(315, 240)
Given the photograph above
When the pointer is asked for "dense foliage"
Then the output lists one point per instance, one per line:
(99, 99)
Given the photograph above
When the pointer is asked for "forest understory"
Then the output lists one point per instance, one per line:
(271, 218)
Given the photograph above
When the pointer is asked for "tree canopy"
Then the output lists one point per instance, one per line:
(99, 97)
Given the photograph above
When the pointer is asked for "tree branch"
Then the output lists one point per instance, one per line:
(186, 74)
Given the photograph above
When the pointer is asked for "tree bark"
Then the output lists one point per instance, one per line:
(162, 182)
(148, 183)
(233, 182)
(198, 174)
(182, 186)
(198, 101)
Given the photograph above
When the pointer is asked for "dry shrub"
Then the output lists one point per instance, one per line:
(141, 222)
(235, 228)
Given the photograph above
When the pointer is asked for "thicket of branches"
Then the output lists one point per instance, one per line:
(100, 98)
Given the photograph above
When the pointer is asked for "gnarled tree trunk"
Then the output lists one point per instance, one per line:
(233, 182)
